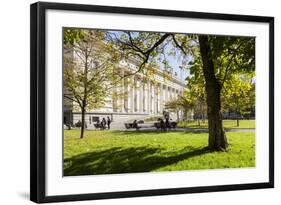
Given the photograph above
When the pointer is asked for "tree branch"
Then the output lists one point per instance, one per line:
(229, 62)
(73, 99)
(157, 43)
(178, 45)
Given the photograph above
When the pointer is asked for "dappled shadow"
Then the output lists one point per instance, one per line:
(125, 160)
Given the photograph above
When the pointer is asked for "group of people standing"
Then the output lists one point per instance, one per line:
(104, 123)
(165, 124)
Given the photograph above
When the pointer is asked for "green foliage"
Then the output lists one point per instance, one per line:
(71, 35)
(195, 91)
(234, 69)
(111, 152)
(89, 70)
(179, 103)
(239, 94)
(232, 55)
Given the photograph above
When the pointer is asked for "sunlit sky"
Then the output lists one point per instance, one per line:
(175, 62)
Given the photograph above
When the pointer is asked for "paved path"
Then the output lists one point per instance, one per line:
(195, 129)
(150, 127)
(240, 129)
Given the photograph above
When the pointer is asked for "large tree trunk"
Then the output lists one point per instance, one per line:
(82, 122)
(217, 138)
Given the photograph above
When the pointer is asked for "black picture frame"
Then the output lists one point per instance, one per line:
(38, 101)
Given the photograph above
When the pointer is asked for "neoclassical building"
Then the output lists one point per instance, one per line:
(142, 97)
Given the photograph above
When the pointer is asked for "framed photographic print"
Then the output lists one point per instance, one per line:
(129, 102)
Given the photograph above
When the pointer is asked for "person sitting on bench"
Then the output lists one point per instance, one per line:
(135, 125)
(167, 123)
(162, 125)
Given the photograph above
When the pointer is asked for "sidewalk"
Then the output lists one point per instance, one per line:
(153, 129)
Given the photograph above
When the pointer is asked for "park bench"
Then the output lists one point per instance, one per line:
(157, 125)
(128, 125)
(132, 126)
(98, 126)
(173, 125)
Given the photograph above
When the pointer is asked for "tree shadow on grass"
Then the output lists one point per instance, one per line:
(125, 160)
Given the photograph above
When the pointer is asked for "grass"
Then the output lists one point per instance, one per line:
(226, 123)
(110, 152)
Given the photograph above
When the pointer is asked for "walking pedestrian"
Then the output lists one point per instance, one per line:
(108, 122)
(103, 123)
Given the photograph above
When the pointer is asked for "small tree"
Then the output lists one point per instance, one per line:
(239, 94)
(180, 103)
(89, 70)
(196, 92)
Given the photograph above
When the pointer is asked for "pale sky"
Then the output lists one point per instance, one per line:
(174, 61)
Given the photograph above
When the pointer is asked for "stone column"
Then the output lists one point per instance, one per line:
(136, 97)
(157, 98)
(141, 96)
(132, 94)
(129, 93)
(152, 96)
(126, 87)
(119, 100)
(148, 97)
(165, 94)
(161, 98)
(122, 90)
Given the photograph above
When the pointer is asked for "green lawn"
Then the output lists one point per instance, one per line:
(106, 152)
(226, 123)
